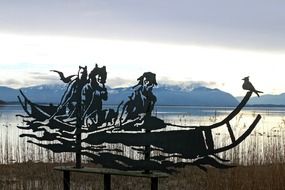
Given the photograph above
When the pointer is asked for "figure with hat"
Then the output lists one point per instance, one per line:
(137, 110)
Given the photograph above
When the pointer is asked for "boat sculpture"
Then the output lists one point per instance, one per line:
(129, 137)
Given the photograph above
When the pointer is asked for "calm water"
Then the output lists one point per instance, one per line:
(265, 144)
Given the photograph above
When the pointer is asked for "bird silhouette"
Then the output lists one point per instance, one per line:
(64, 79)
(248, 86)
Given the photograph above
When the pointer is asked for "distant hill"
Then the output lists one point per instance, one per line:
(8, 94)
(45, 93)
(267, 99)
(173, 95)
(166, 95)
(200, 96)
(41, 93)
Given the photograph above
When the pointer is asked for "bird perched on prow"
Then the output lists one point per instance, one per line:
(248, 86)
(64, 79)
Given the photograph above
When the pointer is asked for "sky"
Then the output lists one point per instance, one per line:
(185, 42)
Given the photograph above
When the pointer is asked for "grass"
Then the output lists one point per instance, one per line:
(42, 176)
(259, 159)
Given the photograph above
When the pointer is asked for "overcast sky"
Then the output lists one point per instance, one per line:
(212, 42)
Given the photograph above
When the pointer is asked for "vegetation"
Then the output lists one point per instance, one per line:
(259, 164)
(42, 176)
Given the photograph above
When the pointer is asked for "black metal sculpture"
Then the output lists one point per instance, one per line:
(248, 86)
(80, 124)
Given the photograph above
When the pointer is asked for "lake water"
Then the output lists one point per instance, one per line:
(266, 144)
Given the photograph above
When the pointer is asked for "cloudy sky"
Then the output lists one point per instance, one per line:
(215, 43)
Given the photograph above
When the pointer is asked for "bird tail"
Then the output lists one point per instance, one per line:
(257, 92)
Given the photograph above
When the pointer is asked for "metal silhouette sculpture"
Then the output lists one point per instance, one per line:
(248, 86)
(109, 133)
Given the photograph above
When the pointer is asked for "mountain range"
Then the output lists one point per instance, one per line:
(166, 95)
(267, 99)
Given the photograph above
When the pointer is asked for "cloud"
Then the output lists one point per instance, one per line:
(244, 24)
(32, 79)
(188, 84)
(120, 82)
(42, 78)
(11, 83)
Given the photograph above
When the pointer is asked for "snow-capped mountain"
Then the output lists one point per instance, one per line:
(199, 96)
(45, 93)
(166, 95)
(41, 93)
(175, 95)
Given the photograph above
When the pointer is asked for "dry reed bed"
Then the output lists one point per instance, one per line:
(42, 176)
(262, 152)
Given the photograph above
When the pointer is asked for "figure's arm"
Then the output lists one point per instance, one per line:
(103, 92)
(87, 107)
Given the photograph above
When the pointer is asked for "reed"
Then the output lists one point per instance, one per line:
(34, 176)
(259, 161)
(261, 147)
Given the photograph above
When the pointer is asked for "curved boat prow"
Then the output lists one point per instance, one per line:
(226, 122)
(233, 113)
(24, 103)
(240, 139)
